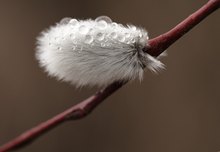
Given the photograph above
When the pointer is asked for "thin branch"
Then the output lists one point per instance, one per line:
(155, 47)
(75, 112)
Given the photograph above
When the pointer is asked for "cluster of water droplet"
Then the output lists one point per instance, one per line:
(94, 52)
(94, 33)
(101, 32)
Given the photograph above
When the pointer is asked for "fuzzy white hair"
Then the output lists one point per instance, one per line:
(94, 52)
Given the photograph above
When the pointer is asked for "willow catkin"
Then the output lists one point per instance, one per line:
(94, 52)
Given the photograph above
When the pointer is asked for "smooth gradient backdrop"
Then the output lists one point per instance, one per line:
(177, 110)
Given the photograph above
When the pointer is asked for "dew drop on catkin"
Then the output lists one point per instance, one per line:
(94, 52)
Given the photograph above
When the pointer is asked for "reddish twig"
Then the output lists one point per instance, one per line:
(159, 44)
(155, 47)
(76, 112)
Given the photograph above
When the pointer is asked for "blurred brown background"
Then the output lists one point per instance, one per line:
(177, 110)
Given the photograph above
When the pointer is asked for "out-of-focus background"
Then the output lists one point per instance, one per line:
(177, 110)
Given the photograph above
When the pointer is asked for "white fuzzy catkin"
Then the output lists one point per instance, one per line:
(94, 52)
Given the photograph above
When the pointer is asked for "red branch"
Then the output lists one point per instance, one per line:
(155, 47)
(159, 44)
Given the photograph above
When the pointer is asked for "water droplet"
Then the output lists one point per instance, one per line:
(80, 49)
(120, 25)
(102, 24)
(114, 25)
(88, 39)
(132, 40)
(65, 20)
(73, 47)
(83, 29)
(114, 35)
(90, 30)
(59, 48)
(121, 38)
(100, 36)
(140, 35)
(147, 37)
(46, 34)
(73, 22)
(103, 18)
(142, 41)
(72, 37)
(133, 28)
(127, 35)
(103, 44)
